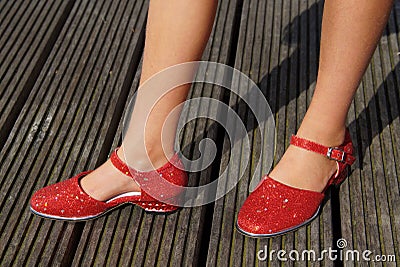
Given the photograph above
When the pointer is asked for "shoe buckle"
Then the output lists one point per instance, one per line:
(339, 155)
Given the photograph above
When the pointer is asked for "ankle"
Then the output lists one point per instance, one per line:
(143, 160)
(322, 134)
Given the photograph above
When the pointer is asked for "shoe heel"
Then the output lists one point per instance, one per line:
(157, 207)
(152, 205)
(341, 178)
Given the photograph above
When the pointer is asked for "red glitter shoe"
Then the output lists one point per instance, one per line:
(66, 200)
(275, 208)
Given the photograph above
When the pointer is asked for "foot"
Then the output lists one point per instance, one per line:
(107, 181)
(305, 169)
(69, 200)
(280, 204)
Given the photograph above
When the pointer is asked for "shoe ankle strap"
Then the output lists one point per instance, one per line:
(341, 154)
(119, 164)
(173, 162)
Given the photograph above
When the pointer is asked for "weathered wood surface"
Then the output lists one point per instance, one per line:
(277, 48)
(28, 31)
(67, 124)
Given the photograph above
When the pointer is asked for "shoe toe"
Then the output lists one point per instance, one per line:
(38, 201)
(48, 201)
(66, 200)
(274, 208)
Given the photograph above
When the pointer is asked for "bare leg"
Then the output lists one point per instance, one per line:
(177, 32)
(350, 32)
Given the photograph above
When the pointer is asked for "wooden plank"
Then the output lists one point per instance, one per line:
(391, 123)
(28, 31)
(323, 229)
(275, 51)
(217, 254)
(66, 124)
(111, 239)
(371, 164)
(227, 247)
(387, 176)
(377, 114)
(175, 239)
(351, 209)
(189, 232)
(300, 97)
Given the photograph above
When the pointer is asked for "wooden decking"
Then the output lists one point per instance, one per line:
(68, 70)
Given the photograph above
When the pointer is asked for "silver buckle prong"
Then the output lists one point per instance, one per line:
(329, 154)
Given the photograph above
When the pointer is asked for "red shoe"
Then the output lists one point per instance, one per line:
(66, 200)
(274, 208)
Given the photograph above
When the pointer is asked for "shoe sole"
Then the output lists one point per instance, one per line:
(89, 218)
(240, 230)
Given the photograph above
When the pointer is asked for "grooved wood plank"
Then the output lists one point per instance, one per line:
(67, 124)
(110, 240)
(28, 30)
(276, 48)
(371, 197)
(131, 237)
